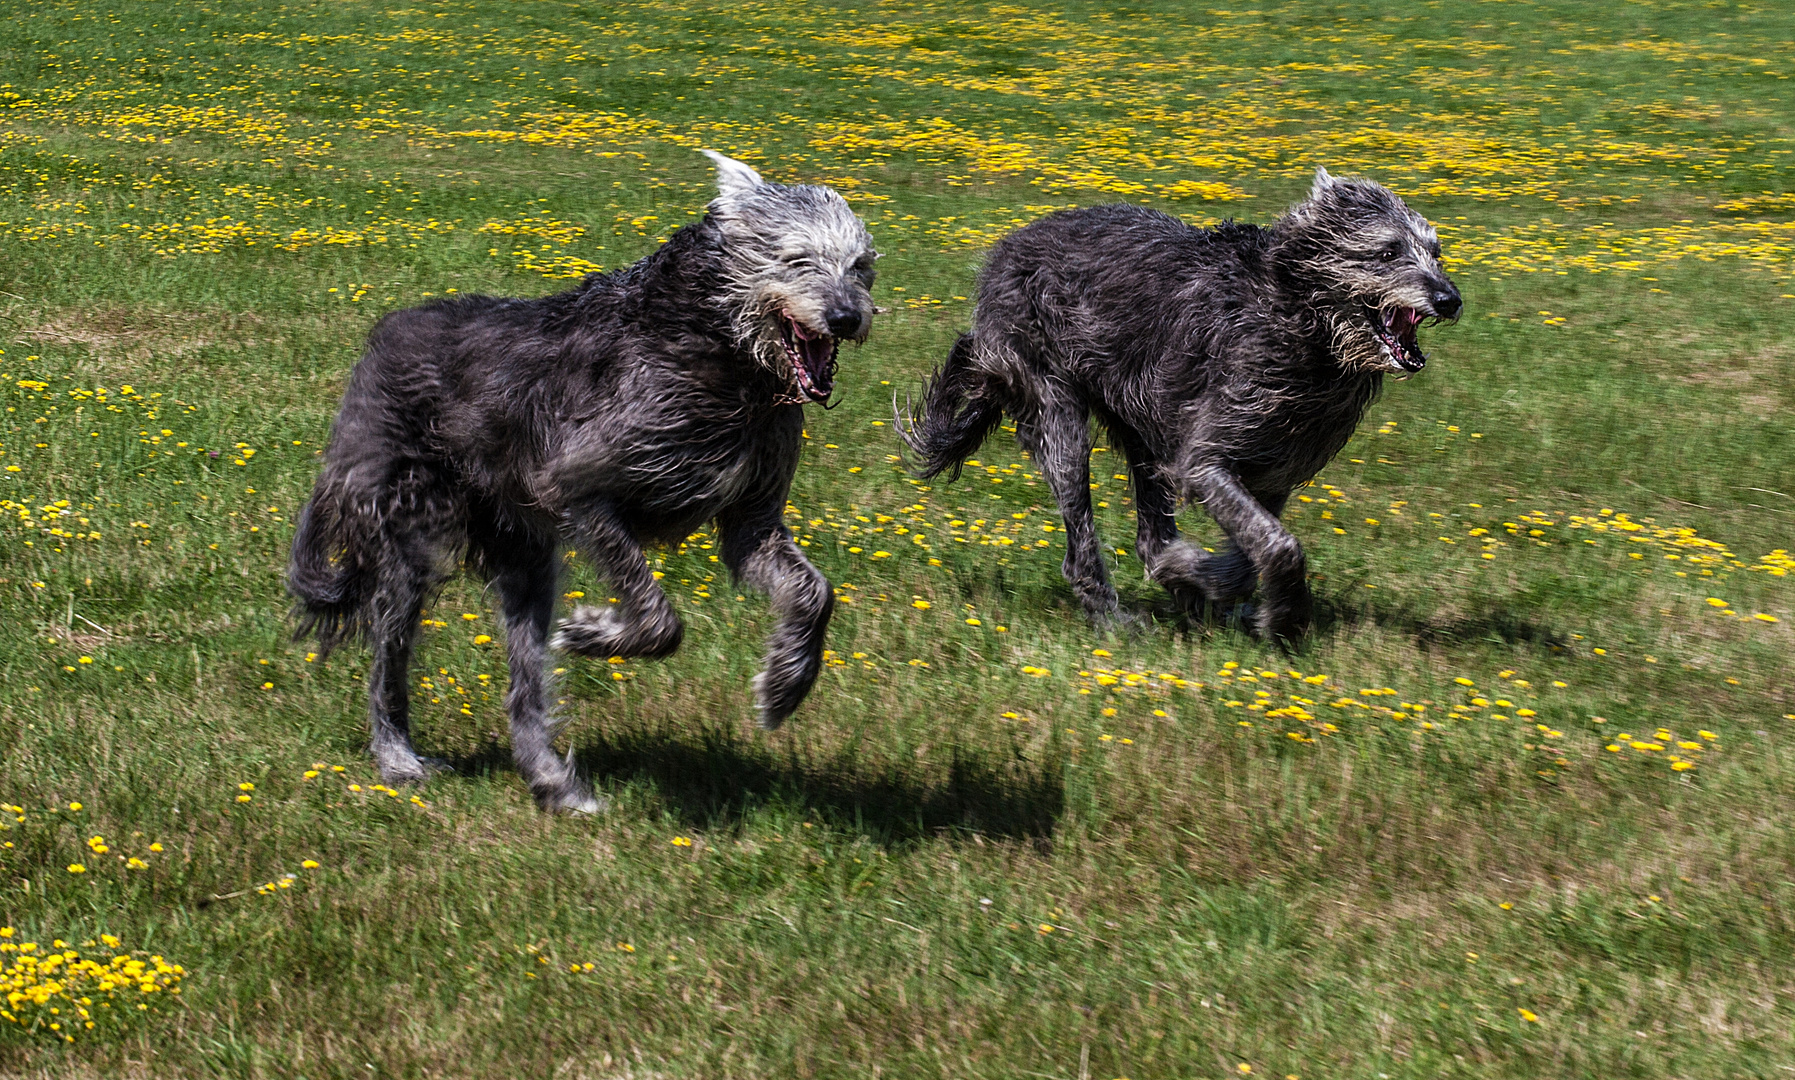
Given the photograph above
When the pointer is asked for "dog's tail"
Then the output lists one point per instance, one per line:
(331, 581)
(956, 415)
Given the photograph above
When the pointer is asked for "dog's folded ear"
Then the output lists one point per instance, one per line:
(1323, 181)
(733, 177)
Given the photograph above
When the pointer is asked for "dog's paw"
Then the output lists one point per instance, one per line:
(1229, 575)
(400, 765)
(1190, 601)
(776, 698)
(1120, 621)
(1284, 624)
(591, 631)
(575, 800)
(552, 779)
(1242, 617)
(607, 632)
(1178, 567)
(1098, 601)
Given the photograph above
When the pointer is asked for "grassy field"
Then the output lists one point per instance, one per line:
(1518, 808)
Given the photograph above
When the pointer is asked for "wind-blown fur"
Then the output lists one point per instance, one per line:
(1229, 365)
(626, 411)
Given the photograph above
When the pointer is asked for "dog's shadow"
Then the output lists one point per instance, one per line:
(1343, 610)
(718, 778)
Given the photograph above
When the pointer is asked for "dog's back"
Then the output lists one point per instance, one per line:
(1103, 294)
(1121, 307)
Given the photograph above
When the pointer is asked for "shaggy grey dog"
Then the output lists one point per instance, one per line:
(627, 411)
(1229, 364)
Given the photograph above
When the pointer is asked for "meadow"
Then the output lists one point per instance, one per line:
(1517, 809)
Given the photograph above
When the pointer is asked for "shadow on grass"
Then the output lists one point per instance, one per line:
(714, 779)
(1342, 611)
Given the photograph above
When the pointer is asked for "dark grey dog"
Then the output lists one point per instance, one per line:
(1229, 364)
(627, 411)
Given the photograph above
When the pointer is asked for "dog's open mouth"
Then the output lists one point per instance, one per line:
(1395, 330)
(812, 358)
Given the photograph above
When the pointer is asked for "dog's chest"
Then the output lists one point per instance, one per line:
(673, 468)
(1282, 434)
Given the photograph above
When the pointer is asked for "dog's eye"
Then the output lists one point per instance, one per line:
(1390, 253)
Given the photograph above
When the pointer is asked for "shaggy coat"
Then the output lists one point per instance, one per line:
(627, 411)
(1229, 365)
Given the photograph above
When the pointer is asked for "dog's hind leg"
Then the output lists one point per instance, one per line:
(758, 549)
(525, 576)
(644, 624)
(1058, 434)
(394, 626)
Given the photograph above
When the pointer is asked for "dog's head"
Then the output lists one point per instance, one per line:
(800, 269)
(1376, 267)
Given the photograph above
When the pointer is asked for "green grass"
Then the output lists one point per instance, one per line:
(955, 860)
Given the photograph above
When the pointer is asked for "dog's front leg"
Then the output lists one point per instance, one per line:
(1285, 605)
(758, 549)
(643, 623)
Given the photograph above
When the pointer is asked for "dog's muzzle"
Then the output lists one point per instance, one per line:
(812, 357)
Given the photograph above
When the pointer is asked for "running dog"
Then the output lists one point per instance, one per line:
(1229, 364)
(624, 412)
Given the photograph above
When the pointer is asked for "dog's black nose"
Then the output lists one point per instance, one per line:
(843, 322)
(1447, 303)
